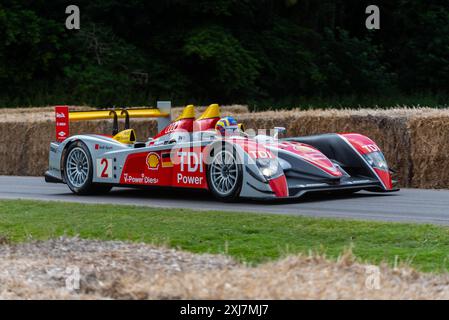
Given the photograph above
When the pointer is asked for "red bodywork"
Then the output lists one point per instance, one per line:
(311, 155)
(176, 168)
(364, 145)
(62, 123)
(279, 186)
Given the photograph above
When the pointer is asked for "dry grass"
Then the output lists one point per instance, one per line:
(120, 270)
(413, 139)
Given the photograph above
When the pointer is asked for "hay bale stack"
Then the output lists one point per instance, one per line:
(414, 140)
(25, 147)
(430, 136)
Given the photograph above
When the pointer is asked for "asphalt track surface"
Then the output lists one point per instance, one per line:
(407, 205)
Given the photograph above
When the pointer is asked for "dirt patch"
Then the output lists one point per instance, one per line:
(121, 270)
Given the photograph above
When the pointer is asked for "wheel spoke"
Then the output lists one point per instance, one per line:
(77, 167)
(224, 172)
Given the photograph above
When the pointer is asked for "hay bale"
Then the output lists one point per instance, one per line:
(24, 152)
(430, 137)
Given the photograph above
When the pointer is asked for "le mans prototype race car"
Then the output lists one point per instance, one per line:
(191, 153)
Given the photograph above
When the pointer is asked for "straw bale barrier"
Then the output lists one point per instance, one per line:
(413, 140)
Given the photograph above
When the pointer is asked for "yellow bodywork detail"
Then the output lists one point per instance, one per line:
(105, 114)
(187, 113)
(213, 111)
(126, 136)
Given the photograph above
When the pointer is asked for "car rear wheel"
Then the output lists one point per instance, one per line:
(224, 174)
(78, 171)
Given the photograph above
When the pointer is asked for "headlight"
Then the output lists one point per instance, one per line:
(268, 167)
(376, 160)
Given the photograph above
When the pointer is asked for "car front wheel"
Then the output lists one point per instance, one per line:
(224, 175)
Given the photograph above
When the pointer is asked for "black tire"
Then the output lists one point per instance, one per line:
(85, 186)
(234, 192)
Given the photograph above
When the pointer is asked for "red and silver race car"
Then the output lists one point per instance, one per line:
(191, 153)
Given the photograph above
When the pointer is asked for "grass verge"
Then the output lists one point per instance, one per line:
(248, 237)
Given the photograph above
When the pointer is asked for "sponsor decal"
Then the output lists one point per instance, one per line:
(99, 147)
(191, 169)
(370, 148)
(142, 179)
(260, 154)
(172, 127)
(194, 161)
(166, 160)
(62, 125)
(104, 168)
(153, 160)
(180, 178)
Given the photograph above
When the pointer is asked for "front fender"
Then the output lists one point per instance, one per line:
(254, 184)
(365, 146)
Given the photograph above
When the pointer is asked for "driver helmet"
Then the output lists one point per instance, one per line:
(226, 126)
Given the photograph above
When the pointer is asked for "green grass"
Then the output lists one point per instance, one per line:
(252, 238)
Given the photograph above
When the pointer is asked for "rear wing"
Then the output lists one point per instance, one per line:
(63, 117)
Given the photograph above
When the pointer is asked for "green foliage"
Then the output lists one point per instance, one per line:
(352, 65)
(105, 66)
(266, 52)
(219, 63)
(30, 45)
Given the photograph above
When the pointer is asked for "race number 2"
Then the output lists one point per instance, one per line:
(104, 168)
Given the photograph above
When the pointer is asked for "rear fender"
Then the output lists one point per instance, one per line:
(99, 148)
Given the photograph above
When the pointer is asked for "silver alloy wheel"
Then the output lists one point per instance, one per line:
(77, 167)
(224, 172)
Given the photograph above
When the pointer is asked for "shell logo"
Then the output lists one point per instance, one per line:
(153, 161)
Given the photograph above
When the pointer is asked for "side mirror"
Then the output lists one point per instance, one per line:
(278, 131)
